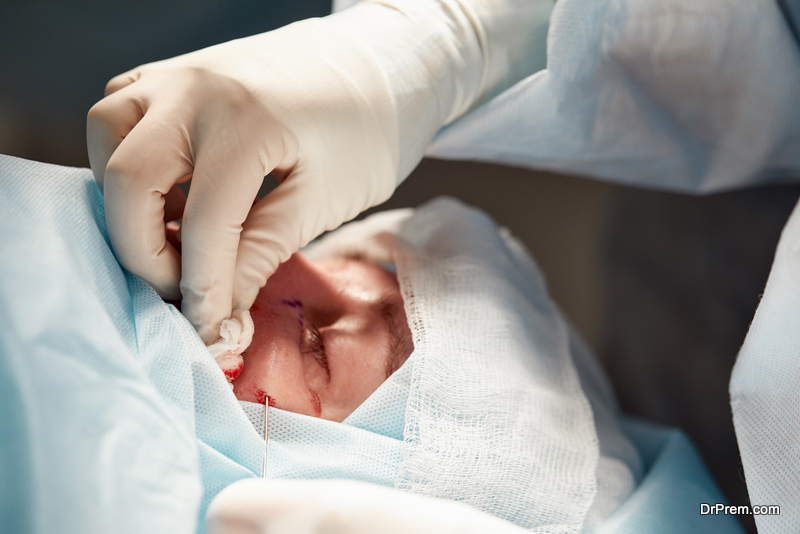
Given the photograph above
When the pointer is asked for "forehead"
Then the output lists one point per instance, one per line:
(360, 279)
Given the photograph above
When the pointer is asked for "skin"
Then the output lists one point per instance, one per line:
(352, 305)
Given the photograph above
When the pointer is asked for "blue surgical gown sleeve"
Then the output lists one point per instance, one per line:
(674, 94)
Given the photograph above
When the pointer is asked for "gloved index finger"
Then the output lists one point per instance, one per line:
(107, 124)
(143, 168)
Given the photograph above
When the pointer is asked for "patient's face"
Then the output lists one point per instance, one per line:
(327, 334)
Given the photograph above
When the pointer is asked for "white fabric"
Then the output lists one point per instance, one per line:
(235, 335)
(674, 94)
(496, 416)
(619, 467)
(765, 391)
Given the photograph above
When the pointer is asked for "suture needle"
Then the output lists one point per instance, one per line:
(266, 433)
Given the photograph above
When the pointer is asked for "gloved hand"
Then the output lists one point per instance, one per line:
(309, 506)
(339, 109)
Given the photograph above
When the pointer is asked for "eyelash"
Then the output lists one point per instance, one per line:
(316, 347)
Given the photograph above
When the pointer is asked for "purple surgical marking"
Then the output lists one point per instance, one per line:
(295, 304)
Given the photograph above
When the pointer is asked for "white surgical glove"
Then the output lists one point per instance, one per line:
(341, 506)
(339, 109)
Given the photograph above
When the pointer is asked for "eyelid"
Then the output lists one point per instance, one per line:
(316, 346)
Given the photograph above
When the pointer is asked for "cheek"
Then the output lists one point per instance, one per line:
(358, 368)
(316, 378)
(316, 405)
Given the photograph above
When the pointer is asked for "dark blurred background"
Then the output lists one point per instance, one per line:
(662, 286)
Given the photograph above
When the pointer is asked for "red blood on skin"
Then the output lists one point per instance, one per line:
(234, 372)
(259, 394)
(315, 404)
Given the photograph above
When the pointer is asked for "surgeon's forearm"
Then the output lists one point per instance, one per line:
(442, 57)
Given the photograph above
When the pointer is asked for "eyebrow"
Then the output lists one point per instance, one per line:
(388, 311)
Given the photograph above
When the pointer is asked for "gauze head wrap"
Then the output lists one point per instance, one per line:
(494, 410)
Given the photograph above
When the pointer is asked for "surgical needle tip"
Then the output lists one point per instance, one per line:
(266, 433)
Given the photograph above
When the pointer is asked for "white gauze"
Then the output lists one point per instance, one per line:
(235, 335)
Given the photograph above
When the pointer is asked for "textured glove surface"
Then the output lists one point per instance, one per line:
(326, 506)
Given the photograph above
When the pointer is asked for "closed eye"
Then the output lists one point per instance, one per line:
(316, 346)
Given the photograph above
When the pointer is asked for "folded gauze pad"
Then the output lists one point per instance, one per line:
(235, 335)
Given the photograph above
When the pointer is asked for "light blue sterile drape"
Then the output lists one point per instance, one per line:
(113, 416)
(676, 482)
(672, 94)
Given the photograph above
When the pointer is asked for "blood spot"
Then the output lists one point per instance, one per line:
(315, 404)
(234, 372)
